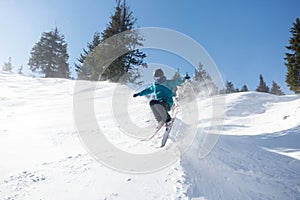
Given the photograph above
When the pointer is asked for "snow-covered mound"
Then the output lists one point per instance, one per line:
(257, 155)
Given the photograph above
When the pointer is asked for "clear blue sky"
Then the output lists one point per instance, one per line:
(245, 38)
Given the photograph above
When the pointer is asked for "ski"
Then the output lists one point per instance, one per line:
(157, 129)
(167, 132)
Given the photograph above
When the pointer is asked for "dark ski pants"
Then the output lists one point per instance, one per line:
(160, 110)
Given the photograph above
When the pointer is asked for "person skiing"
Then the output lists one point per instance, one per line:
(163, 92)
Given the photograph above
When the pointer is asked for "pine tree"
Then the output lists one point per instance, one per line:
(176, 74)
(84, 71)
(49, 55)
(20, 70)
(7, 65)
(222, 91)
(244, 88)
(276, 89)
(293, 59)
(262, 87)
(229, 87)
(124, 68)
(200, 74)
(203, 81)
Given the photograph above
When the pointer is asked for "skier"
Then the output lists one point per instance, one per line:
(163, 91)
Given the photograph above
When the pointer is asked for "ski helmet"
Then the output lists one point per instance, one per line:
(158, 73)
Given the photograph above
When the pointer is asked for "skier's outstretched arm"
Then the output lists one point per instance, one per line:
(144, 92)
(179, 81)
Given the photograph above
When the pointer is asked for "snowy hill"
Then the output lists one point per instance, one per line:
(257, 155)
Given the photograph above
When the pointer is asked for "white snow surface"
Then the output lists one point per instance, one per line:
(257, 155)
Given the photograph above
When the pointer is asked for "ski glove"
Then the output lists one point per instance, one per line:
(136, 94)
(187, 76)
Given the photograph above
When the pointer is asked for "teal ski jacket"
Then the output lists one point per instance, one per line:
(163, 89)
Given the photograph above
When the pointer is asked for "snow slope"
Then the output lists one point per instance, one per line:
(257, 155)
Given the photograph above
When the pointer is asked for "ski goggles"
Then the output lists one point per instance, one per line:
(156, 78)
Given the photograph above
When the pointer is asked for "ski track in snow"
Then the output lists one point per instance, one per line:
(256, 157)
(244, 167)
